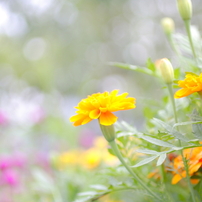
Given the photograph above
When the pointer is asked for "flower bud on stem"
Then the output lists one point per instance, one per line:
(168, 26)
(166, 70)
(185, 10)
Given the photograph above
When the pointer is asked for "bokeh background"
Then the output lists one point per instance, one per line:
(53, 53)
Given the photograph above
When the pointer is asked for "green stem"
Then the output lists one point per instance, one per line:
(118, 154)
(180, 144)
(172, 44)
(163, 174)
(187, 26)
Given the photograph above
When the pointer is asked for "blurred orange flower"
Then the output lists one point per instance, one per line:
(194, 158)
(191, 84)
(100, 106)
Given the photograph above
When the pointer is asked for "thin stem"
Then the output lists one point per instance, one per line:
(187, 26)
(118, 154)
(172, 44)
(181, 152)
(170, 89)
(163, 174)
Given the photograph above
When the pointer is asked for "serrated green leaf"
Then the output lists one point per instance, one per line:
(197, 128)
(171, 130)
(148, 151)
(187, 123)
(158, 142)
(161, 159)
(145, 161)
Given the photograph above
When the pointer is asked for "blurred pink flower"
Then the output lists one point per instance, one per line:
(10, 177)
(18, 160)
(86, 138)
(5, 162)
(14, 160)
(3, 118)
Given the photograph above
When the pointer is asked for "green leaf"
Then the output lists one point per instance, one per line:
(161, 159)
(148, 151)
(150, 65)
(186, 123)
(170, 130)
(133, 67)
(99, 187)
(177, 72)
(158, 142)
(196, 127)
(88, 193)
(145, 161)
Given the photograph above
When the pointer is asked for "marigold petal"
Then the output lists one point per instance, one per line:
(94, 114)
(80, 119)
(86, 120)
(176, 179)
(194, 168)
(114, 92)
(195, 181)
(107, 118)
(183, 93)
(77, 117)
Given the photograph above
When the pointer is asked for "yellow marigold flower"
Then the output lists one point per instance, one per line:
(191, 84)
(194, 157)
(100, 106)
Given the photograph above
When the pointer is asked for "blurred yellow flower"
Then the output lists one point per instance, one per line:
(67, 158)
(191, 84)
(100, 106)
(194, 157)
(90, 158)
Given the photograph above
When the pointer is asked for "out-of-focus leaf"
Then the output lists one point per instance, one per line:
(161, 159)
(145, 161)
(133, 67)
(196, 127)
(148, 151)
(171, 130)
(187, 123)
(150, 65)
(158, 142)
(99, 187)
(177, 72)
(87, 193)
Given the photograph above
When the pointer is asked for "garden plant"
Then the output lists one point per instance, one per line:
(163, 162)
